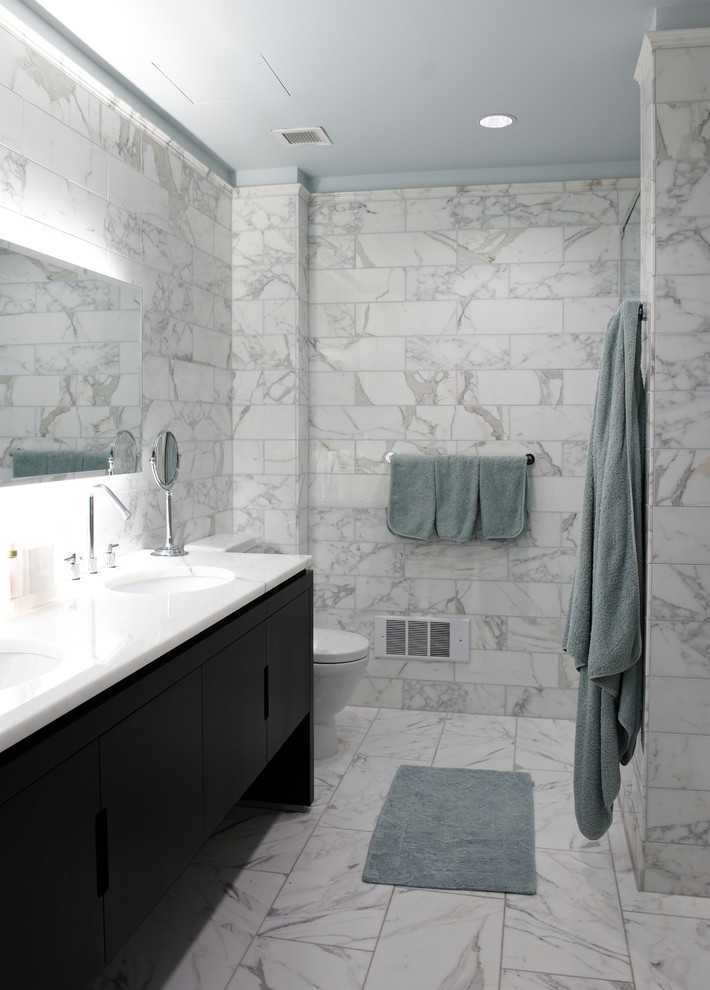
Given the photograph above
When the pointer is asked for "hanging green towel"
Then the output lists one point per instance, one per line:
(603, 631)
(411, 504)
(456, 479)
(503, 488)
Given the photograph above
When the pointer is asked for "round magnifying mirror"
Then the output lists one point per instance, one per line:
(123, 454)
(165, 460)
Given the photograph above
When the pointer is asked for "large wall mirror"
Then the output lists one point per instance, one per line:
(70, 367)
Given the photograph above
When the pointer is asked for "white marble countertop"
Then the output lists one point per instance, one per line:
(93, 636)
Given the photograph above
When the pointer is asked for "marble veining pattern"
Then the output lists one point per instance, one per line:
(275, 901)
(457, 321)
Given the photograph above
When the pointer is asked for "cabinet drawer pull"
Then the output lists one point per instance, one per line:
(101, 827)
(266, 692)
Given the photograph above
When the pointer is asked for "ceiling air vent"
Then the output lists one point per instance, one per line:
(302, 136)
(422, 637)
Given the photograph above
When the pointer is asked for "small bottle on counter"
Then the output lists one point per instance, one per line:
(14, 567)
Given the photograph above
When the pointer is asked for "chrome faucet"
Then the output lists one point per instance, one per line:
(93, 566)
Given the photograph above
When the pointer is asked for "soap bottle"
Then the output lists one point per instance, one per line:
(14, 566)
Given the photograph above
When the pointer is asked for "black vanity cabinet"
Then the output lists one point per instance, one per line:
(51, 917)
(101, 810)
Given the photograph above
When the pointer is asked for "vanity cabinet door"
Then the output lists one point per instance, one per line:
(289, 659)
(234, 730)
(51, 920)
(151, 789)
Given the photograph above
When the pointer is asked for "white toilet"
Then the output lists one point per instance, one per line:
(339, 658)
(339, 661)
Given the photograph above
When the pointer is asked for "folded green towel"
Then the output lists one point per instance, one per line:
(456, 496)
(29, 463)
(411, 503)
(63, 461)
(503, 486)
(603, 631)
(94, 460)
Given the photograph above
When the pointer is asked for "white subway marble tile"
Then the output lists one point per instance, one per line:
(457, 282)
(406, 318)
(674, 868)
(409, 249)
(512, 316)
(682, 304)
(357, 354)
(541, 702)
(356, 213)
(591, 315)
(679, 704)
(332, 319)
(415, 596)
(550, 423)
(680, 419)
(439, 559)
(682, 362)
(11, 115)
(445, 353)
(508, 667)
(681, 535)
(678, 761)
(519, 388)
(682, 74)
(556, 208)
(545, 280)
(681, 131)
(331, 251)
(580, 387)
(565, 351)
(534, 633)
(509, 598)
(600, 242)
(519, 244)
(405, 388)
(357, 285)
(682, 245)
(675, 816)
(355, 491)
(275, 282)
(682, 189)
(475, 699)
(456, 210)
(679, 649)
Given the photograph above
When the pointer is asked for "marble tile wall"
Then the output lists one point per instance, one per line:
(70, 354)
(457, 321)
(87, 180)
(270, 365)
(667, 792)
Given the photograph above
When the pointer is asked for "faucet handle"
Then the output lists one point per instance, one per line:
(73, 566)
(110, 555)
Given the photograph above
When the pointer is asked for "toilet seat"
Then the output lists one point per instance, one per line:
(336, 646)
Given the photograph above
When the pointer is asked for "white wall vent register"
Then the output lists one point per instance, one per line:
(422, 637)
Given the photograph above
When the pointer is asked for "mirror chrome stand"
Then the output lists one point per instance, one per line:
(170, 549)
(165, 463)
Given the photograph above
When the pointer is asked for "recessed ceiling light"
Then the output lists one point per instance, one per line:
(497, 120)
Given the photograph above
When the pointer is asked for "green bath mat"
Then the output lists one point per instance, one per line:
(455, 829)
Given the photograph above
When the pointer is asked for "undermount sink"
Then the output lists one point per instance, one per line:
(170, 580)
(22, 661)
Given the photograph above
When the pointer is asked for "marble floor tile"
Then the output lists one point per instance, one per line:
(358, 800)
(198, 933)
(406, 735)
(325, 900)
(277, 964)
(573, 925)
(261, 840)
(669, 953)
(483, 741)
(438, 939)
(544, 744)
(515, 980)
